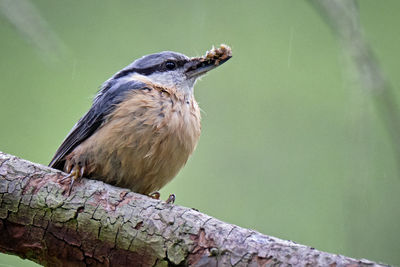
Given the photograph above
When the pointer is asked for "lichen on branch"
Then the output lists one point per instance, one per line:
(101, 225)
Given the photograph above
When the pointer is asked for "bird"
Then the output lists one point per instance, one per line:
(143, 124)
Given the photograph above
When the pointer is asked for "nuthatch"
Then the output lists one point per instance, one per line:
(143, 125)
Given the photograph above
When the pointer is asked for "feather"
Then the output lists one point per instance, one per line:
(112, 93)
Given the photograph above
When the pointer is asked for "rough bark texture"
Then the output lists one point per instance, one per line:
(99, 224)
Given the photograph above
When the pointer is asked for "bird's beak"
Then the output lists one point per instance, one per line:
(198, 66)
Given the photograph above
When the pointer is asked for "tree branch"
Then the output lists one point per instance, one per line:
(99, 224)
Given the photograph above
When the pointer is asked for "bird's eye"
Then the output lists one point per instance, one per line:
(170, 65)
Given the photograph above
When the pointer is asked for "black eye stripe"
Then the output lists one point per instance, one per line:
(149, 70)
(180, 63)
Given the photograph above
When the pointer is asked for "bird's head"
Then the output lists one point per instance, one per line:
(171, 69)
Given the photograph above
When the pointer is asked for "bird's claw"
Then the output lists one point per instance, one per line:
(170, 199)
(74, 174)
(66, 177)
(156, 195)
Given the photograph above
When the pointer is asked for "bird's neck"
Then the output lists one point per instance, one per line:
(184, 93)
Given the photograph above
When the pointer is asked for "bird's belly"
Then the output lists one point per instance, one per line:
(143, 165)
(142, 147)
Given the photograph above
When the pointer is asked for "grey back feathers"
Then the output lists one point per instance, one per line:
(149, 64)
(112, 93)
(157, 59)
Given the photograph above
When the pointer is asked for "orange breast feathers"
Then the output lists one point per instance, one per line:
(144, 142)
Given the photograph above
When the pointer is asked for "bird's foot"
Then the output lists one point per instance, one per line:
(156, 195)
(170, 199)
(74, 173)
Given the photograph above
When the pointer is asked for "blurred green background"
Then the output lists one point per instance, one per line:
(291, 146)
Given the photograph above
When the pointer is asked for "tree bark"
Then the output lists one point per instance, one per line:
(102, 225)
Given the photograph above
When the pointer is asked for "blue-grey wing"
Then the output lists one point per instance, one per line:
(111, 93)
